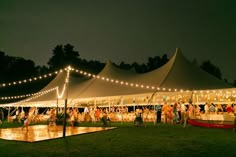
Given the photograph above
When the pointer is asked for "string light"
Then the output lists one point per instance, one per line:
(36, 95)
(28, 80)
(68, 69)
(137, 85)
(27, 95)
(59, 96)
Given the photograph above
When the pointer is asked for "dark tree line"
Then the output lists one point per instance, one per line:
(17, 68)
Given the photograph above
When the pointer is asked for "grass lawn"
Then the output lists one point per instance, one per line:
(129, 141)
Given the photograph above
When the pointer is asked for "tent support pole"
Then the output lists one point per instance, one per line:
(65, 107)
(95, 103)
(8, 116)
(109, 104)
(57, 108)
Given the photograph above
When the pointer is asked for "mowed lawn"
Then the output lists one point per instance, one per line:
(129, 141)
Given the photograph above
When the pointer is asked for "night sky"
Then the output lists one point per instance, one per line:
(122, 30)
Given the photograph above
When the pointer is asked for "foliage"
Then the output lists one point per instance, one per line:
(211, 69)
(63, 56)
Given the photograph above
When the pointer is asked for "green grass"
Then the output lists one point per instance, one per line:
(127, 140)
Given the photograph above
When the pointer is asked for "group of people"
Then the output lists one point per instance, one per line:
(173, 114)
(177, 113)
(216, 108)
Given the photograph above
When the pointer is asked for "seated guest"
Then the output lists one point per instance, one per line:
(234, 108)
(212, 108)
(229, 108)
(206, 108)
(219, 108)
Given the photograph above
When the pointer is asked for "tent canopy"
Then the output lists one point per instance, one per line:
(178, 73)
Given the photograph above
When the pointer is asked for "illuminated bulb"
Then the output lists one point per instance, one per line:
(141, 86)
(112, 80)
(147, 87)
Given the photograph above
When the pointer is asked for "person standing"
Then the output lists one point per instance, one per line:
(175, 114)
(26, 122)
(158, 110)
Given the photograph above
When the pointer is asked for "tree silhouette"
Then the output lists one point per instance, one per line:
(125, 66)
(156, 62)
(71, 57)
(57, 60)
(66, 55)
(211, 69)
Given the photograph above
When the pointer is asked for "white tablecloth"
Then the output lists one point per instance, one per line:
(220, 117)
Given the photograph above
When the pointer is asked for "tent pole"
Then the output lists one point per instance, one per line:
(65, 107)
(57, 108)
(194, 106)
(109, 104)
(134, 104)
(95, 103)
(8, 117)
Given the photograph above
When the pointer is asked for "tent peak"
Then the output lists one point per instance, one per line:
(178, 51)
(109, 61)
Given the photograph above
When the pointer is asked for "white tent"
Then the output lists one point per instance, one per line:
(178, 74)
